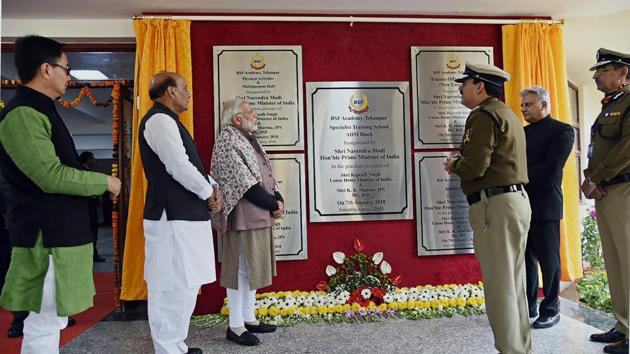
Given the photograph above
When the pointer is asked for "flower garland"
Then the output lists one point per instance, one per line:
(115, 97)
(85, 90)
(359, 290)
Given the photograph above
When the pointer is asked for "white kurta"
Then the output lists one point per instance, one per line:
(166, 242)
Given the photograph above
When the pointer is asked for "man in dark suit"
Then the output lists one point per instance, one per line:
(549, 144)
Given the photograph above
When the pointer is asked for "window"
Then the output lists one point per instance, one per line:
(574, 101)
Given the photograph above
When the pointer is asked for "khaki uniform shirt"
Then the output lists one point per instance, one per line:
(610, 139)
(493, 148)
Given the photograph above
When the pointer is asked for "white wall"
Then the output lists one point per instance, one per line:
(94, 30)
(583, 37)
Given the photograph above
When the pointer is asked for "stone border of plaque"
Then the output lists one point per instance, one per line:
(270, 79)
(438, 116)
(441, 209)
(360, 151)
(290, 231)
(293, 246)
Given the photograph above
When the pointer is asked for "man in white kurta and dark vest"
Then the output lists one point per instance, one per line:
(46, 192)
(179, 253)
(252, 201)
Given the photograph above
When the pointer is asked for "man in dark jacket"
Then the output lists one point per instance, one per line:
(549, 144)
(50, 273)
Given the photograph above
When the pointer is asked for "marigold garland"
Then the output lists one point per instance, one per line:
(115, 97)
(85, 91)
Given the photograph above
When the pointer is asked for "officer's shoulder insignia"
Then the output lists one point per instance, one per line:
(619, 95)
(467, 135)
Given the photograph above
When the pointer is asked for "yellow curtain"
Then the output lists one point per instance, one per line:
(161, 45)
(533, 53)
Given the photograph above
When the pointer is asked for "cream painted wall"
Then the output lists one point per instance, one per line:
(583, 36)
(118, 30)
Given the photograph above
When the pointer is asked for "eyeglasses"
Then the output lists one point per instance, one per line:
(66, 68)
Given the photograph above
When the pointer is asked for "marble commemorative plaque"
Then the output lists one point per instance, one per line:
(438, 115)
(359, 153)
(441, 209)
(270, 79)
(289, 232)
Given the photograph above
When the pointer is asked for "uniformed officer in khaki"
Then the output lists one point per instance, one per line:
(607, 180)
(493, 168)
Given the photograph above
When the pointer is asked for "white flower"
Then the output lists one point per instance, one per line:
(366, 293)
(339, 257)
(388, 298)
(330, 270)
(386, 268)
(377, 257)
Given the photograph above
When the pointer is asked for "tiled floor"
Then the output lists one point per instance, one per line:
(444, 335)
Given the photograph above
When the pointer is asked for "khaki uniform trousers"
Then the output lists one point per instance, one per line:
(500, 225)
(614, 229)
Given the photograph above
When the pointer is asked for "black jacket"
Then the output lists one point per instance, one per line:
(163, 191)
(63, 219)
(549, 143)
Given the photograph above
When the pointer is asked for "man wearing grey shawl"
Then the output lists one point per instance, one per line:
(251, 201)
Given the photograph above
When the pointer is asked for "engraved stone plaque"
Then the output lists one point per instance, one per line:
(270, 79)
(441, 209)
(439, 117)
(289, 232)
(359, 153)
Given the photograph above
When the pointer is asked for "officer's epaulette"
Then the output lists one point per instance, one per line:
(492, 116)
(618, 95)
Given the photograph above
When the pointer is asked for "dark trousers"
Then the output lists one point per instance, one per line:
(543, 247)
(5, 260)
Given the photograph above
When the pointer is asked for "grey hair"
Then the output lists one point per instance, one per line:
(542, 94)
(230, 109)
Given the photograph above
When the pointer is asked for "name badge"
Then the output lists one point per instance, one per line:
(589, 152)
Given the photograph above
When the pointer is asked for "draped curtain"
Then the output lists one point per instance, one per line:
(161, 45)
(533, 53)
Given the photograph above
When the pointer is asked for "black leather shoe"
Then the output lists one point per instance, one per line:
(16, 330)
(533, 313)
(620, 347)
(194, 351)
(612, 336)
(261, 328)
(246, 338)
(546, 321)
(71, 321)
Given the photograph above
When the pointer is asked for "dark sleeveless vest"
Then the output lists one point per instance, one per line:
(63, 219)
(164, 192)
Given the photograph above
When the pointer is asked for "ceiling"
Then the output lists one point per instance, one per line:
(119, 9)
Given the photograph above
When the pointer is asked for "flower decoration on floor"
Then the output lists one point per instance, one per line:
(359, 288)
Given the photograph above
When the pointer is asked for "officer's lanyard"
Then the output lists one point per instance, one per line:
(597, 126)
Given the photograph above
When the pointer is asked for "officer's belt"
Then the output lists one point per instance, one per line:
(622, 178)
(494, 191)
